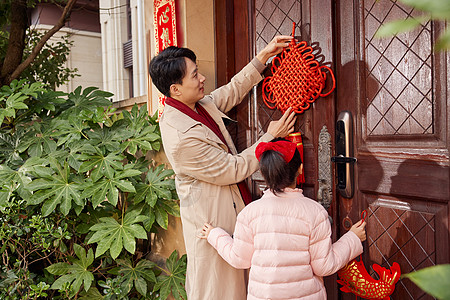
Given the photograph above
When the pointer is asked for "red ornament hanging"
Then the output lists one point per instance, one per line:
(355, 278)
(297, 80)
(165, 31)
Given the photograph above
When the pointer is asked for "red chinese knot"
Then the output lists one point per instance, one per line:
(297, 79)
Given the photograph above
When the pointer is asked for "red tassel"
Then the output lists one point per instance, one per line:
(296, 137)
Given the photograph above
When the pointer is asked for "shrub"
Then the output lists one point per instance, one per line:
(80, 197)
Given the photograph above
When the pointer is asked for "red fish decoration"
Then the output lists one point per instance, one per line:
(355, 278)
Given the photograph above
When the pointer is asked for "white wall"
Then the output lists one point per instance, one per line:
(85, 55)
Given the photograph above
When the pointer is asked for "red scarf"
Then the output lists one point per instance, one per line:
(205, 118)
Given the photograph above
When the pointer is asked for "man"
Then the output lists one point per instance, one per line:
(209, 171)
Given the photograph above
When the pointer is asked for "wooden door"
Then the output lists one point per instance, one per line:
(396, 90)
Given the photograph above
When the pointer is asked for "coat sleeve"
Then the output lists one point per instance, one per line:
(231, 94)
(237, 250)
(328, 258)
(205, 160)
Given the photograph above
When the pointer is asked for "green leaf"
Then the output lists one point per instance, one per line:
(136, 118)
(443, 43)
(58, 268)
(114, 235)
(88, 99)
(107, 189)
(10, 147)
(39, 140)
(175, 280)
(399, 26)
(438, 9)
(159, 184)
(433, 280)
(60, 189)
(162, 217)
(76, 274)
(68, 130)
(137, 276)
(109, 138)
(92, 294)
(101, 165)
(144, 140)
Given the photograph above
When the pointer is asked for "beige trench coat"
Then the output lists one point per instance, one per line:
(206, 177)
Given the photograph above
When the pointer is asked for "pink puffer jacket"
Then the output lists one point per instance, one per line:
(286, 240)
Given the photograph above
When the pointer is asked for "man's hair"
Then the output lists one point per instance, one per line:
(278, 173)
(169, 67)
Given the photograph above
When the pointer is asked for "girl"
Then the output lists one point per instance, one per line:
(284, 237)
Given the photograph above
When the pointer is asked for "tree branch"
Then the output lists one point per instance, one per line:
(16, 40)
(61, 22)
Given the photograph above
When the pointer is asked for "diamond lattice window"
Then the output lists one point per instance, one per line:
(398, 73)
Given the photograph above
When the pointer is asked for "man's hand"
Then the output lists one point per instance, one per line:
(284, 125)
(274, 47)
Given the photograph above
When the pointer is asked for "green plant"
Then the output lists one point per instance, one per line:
(79, 198)
(436, 10)
(434, 280)
(49, 66)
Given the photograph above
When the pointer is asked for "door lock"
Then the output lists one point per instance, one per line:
(344, 159)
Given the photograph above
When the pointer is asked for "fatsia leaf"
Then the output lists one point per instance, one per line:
(101, 165)
(399, 26)
(88, 99)
(174, 281)
(109, 138)
(136, 118)
(47, 100)
(433, 280)
(437, 9)
(443, 43)
(77, 273)
(69, 130)
(92, 294)
(39, 140)
(158, 184)
(108, 188)
(137, 276)
(16, 101)
(144, 140)
(10, 145)
(18, 180)
(60, 189)
(114, 235)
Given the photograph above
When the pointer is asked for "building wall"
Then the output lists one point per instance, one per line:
(195, 30)
(113, 24)
(84, 30)
(195, 25)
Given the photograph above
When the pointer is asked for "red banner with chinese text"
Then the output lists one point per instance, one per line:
(165, 33)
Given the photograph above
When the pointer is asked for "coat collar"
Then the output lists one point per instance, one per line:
(182, 122)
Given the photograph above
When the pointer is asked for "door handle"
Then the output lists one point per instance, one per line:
(344, 159)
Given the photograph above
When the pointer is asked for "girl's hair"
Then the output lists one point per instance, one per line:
(277, 173)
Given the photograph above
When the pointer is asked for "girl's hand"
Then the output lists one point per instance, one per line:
(274, 47)
(205, 231)
(359, 230)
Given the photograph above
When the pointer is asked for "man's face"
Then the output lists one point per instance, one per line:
(191, 89)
